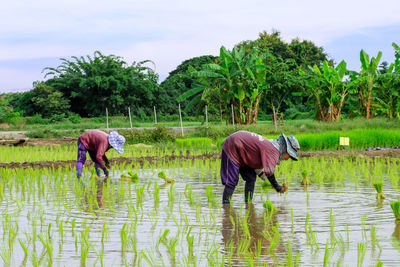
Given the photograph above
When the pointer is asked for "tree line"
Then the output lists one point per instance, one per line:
(255, 79)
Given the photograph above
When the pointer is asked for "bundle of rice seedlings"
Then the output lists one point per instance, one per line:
(269, 206)
(166, 179)
(378, 187)
(130, 176)
(305, 180)
(265, 184)
(395, 205)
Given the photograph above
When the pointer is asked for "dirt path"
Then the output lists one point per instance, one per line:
(391, 153)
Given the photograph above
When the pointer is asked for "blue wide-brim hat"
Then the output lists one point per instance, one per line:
(292, 146)
(116, 141)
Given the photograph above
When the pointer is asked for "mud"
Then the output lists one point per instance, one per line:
(390, 153)
(38, 142)
(141, 160)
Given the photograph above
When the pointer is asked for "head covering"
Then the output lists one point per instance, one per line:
(292, 146)
(116, 141)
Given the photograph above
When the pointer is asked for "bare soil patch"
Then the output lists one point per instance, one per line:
(390, 153)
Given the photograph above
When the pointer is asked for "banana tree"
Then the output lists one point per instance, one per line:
(388, 84)
(329, 90)
(239, 78)
(388, 94)
(369, 69)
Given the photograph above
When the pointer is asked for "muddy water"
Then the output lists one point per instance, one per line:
(218, 232)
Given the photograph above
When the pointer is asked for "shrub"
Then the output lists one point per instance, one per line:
(74, 118)
(36, 119)
(158, 135)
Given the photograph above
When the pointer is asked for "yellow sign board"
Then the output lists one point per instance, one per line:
(344, 141)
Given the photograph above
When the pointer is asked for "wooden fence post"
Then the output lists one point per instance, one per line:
(107, 117)
(130, 118)
(155, 115)
(180, 117)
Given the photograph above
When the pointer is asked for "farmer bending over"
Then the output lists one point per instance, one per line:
(97, 143)
(251, 154)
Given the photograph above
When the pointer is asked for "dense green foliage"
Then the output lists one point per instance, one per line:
(7, 114)
(178, 82)
(258, 78)
(93, 84)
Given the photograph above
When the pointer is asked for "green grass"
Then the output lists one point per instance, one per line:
(194, 142)
(359, 139)
(312, 135)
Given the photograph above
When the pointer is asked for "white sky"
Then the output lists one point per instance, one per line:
(35, 34)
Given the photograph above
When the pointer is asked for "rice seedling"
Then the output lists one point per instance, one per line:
(332, 221)
(326, 254)
(269, 206)
(171, 195)
(361, 250)
(395, 205)
(378, 187)
(210, 196)
(265, 185)
(166, 179)
(304, 178)
(289, 257)
(124, 232)
(130, 177)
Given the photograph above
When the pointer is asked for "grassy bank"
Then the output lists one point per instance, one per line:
(312, 135)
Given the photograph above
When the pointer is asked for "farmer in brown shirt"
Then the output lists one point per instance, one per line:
(251, 154)
(97, 143)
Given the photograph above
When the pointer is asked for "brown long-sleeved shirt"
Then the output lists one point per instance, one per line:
(252, 150)
(97, 141)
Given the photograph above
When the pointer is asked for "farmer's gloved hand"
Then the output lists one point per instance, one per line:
(106, 173)
(226, 197)
(275, 184)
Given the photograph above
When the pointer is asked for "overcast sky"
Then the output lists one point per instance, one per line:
(35, 34)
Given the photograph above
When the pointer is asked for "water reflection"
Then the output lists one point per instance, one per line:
(249, 231)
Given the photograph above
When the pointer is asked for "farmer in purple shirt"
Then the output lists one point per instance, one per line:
(97, 143)
(251, 154)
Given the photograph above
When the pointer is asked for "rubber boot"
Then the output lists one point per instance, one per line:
(248, 191)
(227, 196)
(79, 169)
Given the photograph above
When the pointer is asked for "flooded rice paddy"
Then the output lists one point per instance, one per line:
(48, 217)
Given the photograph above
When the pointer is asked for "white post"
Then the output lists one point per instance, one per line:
(155, 115)
(274, 114)
(180, 117)
(233, 117)
(130, 118)
(107, 117)
(206, 118)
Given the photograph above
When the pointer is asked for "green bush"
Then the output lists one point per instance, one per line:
(74, 118)
(158, 135)
(37, 119)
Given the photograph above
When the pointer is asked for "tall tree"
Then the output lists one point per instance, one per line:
(329, 90)
(303, 52)
(240, 77)
(181, 81)
(47, 101)
(7, 113)
(94, 83)
(369, 69)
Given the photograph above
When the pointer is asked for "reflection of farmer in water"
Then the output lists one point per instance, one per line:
(97, 143)
(233, 233)
(250, 155)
